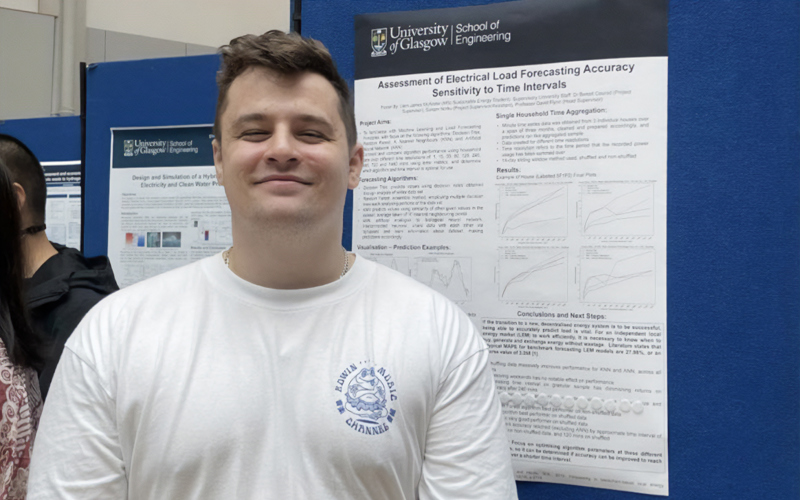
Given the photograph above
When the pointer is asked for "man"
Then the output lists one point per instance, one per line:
(61, 284)
(284, 367)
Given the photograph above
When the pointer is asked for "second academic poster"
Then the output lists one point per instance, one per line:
(166, 208)
(516, 162)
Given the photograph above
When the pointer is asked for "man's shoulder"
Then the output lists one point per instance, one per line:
(146, 302)
(68, 272)
(109, 324)
(92, 273)
(160, 289)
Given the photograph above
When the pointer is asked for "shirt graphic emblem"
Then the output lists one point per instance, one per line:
(365, 398)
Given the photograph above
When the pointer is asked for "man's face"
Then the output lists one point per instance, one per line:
(283, 155)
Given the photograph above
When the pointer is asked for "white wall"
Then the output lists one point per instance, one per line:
(201, 22)
(110, 30)
(26, 64)
(26, 5)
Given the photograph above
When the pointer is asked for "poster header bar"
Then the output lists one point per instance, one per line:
(162, 147)
(508, 34)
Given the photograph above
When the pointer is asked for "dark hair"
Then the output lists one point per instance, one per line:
(23, 344)
(25, 169)
(286, 54)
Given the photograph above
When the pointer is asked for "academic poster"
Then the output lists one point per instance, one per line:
(515, 161)
(63, 204)
(165, 206)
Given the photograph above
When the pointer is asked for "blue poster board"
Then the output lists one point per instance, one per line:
(147, 93)
(56, 138)
(733, 241)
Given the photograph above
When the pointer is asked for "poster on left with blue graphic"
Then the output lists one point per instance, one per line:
(63, 205)
(165, 206)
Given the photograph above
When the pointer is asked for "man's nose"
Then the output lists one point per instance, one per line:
(282, 148)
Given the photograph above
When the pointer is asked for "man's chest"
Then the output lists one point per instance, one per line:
(342, 402)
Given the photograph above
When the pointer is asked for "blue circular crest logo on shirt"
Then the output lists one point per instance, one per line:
(366, 394)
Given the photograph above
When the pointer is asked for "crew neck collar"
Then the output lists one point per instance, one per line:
(288, 299)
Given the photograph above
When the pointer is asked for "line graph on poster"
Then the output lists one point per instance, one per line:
(617, 275)
(400, 264)
(450, 276)
(533, 275)
(617, 209)
(532, 211)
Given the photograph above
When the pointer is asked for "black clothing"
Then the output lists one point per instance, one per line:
(59, 294)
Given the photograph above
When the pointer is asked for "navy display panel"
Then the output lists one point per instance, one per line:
(146, 93)
(733, 240)
(56, 138)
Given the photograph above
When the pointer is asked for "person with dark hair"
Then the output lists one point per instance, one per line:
(20, 355)
(61, 285)
(284, 367)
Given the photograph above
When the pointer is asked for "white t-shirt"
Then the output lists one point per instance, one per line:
(198, 384)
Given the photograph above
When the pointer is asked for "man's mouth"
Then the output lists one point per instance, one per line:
(283, 178)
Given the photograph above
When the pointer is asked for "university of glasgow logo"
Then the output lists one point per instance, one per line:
(378, 42)
(128, 147)
(366, 396)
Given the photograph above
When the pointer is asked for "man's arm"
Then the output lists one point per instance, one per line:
(467, 454)
(76, 454)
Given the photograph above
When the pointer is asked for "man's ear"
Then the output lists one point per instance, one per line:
(216, 147)
(356, 164)
(21, 196)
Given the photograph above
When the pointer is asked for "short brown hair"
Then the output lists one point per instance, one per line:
(286, 54)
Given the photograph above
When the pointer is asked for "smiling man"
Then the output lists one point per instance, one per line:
(284, 367)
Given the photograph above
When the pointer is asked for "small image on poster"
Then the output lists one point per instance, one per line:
(165, 206)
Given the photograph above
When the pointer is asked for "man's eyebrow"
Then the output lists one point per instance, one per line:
(260, 117)
(249, 118)
(315, 119)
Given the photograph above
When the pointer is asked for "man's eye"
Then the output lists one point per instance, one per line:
(312, 134)
(254, 135)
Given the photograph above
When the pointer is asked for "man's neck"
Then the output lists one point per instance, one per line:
(287, 259)
(37, 249)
